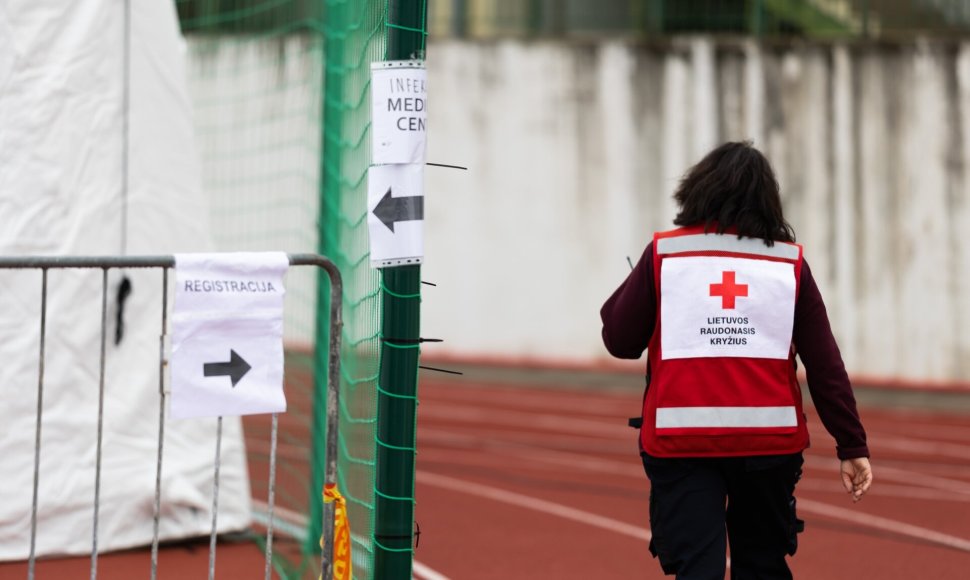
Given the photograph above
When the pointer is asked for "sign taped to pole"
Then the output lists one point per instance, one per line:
(399, 112)
(395, 214)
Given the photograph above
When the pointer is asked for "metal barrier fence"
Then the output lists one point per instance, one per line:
(165, 263)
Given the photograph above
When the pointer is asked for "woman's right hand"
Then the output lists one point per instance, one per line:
(856, 476)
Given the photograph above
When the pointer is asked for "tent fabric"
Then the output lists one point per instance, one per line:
(62, 192)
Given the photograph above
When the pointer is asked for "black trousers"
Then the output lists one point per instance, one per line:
(699, 505)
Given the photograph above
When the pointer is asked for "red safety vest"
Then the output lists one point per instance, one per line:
(722, 363)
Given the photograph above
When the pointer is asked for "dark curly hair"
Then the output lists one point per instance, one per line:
(733, 186)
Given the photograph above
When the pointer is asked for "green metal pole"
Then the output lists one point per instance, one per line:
(398, 382)
(653, 17)
(757, 18)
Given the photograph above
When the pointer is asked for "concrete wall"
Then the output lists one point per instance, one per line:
(574, 152)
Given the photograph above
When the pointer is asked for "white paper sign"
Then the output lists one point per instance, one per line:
(227, 334)
(398, 112)
(726, 307)
(395, 214)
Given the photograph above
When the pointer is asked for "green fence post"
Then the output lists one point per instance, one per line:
(652, 19)
(397, 394)
(757, 17)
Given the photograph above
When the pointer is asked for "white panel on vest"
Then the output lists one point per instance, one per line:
(726, 307)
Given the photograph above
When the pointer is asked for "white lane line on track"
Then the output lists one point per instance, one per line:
(422, 572)
(298, 521)
(533, 503)
(885, 524)
(546, 401)
(908, 444)
(547, 423)
(933, 431)
(919, 446)
(635, 471)
(804, 505)
(899, 475)
(508, 437)
(882, 490)
(808, 505)
(603, 428)
(535, 457)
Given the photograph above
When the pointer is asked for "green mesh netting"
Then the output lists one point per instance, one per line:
(279, 92)
(354, 34)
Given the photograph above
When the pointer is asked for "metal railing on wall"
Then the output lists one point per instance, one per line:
(646, 18)
(164, 263)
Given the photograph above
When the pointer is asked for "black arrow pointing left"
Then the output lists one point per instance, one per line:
(235, 369)
(399, 209)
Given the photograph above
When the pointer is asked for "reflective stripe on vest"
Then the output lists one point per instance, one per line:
(725, 243)
(678, 417)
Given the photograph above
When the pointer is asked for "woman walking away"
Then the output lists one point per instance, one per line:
(723, 304)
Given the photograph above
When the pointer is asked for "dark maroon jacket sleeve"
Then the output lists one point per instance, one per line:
(828, 382)
(629, 316)
(630, 313)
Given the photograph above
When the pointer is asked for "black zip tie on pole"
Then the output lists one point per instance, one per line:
(448, 166)
(429, 283)
(417, 534)
(410, 340)
(440, 370)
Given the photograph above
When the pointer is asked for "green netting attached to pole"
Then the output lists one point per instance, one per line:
(280, 98)
(354, 36)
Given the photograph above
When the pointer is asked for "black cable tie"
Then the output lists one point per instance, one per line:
(411, 340)
(448, 166)
(440, 370)
(429, 283)
(417, 534)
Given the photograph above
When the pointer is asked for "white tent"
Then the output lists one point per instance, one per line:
(63, 191)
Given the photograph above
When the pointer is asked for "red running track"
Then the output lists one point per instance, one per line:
(522, 482)
(525, 482)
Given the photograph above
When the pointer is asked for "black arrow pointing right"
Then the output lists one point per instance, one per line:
(235, 369)
(399, 209)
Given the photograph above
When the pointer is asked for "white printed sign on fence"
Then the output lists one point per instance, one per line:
(395, 214)
(227, 334)
(399, 112)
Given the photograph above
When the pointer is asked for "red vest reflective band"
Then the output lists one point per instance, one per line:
(721, 356)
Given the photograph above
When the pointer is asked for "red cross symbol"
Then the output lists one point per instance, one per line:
(728, 290)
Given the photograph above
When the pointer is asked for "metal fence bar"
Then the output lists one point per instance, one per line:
(215, 502)
(272, 495)
(40, 409)
(106, 263)
(97, 465)
(161, 424)
(333, 403)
